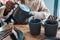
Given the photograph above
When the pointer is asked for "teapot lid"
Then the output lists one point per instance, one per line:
(24, 7)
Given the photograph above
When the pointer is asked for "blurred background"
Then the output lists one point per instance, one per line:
(51, 4)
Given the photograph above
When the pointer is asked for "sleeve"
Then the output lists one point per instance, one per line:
(43, 11)
(42, 6)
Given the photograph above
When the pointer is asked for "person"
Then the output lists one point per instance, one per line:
(8, 11)
(37, 7)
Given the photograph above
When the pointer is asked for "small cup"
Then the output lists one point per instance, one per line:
(35, 26)
(51, 28)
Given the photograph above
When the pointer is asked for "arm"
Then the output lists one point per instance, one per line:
(43, 12)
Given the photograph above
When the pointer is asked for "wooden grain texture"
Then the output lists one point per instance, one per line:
(26, 31)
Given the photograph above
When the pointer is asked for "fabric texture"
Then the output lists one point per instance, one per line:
(8, 35)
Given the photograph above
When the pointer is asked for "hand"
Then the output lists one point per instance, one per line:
(39, 15)
(52, 17)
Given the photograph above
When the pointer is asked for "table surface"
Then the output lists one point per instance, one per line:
(26, 31)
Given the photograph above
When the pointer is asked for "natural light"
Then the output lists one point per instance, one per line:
(59, 13)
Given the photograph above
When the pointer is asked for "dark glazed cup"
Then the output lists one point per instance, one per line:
(51, 28)
(35, 26)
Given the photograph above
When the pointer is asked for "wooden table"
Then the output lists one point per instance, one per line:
(26, 31)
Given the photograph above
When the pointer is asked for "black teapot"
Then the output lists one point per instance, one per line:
(21, 14)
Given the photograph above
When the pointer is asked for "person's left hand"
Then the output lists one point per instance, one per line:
(52, 17)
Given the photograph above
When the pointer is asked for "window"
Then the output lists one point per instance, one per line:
(58, 13)
(50, 5)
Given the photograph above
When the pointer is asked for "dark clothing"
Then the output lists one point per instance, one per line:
(9, 19)
(5, 13)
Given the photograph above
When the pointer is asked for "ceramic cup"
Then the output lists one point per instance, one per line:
(51, 28)
(35, 26)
